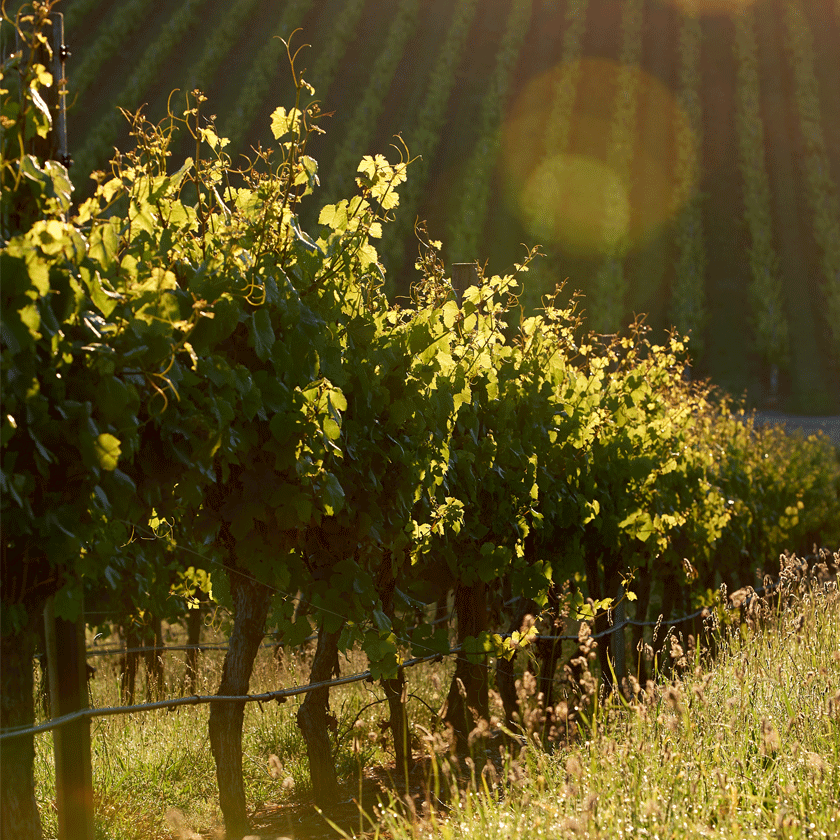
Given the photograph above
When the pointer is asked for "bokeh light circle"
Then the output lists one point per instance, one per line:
(563, 200)
(556, 161)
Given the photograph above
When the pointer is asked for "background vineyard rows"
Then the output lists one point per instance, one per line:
(733, 126)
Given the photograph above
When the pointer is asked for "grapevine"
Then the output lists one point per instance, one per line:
(688, 305)
(465, 230)
(257, 83)
(99, 143)
(771, 333)
(363, 122)
(120, 27)
(822, 192)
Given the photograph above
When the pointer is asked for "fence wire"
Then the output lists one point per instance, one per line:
(281, 695)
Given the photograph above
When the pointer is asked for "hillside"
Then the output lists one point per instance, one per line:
(675, 158)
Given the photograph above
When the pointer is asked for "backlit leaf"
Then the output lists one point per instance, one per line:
(108, 450)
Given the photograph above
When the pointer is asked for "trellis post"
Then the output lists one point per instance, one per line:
(54, 146)
(67, 669)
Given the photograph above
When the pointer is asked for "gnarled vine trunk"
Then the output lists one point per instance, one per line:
(396, 693)
(643, 590)
(599, 589)
(395, 689)
(251, 602)
(153, 637)
(194, 622)
(313, 718)
(505, 677)
(464, 705)
(128, 664)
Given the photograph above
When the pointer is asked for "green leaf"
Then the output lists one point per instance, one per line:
(594, 509)
(261, 334)
(332, 495)
(334, 216)
(108, 450)
(285, 122)
(331, 429)
(283, 425)
(362, 331)
(303, 507)
(304, 237)
(450, 313)
(381, 620)
(104, 244)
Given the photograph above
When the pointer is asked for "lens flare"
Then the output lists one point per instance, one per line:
(563, 201)
(556, 161)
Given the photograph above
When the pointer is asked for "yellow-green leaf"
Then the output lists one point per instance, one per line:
(107, 451)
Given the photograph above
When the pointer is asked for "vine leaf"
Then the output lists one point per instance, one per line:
(262, 334)
(332, 494)
(108, 451)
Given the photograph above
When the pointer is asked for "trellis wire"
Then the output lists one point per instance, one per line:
(566, 638)
(202, 647)
(281, 695)
(95, 651)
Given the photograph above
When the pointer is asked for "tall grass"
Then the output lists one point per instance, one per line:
(153, 772)
(745, 745)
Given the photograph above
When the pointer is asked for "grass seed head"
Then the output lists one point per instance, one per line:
(833, 705)
(770, 742)
(574, 767)
(275, 767)
(673, 697)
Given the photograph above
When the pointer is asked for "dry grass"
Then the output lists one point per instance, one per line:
(746, 746)
(154, 775)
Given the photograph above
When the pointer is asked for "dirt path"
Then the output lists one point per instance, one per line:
(808, 425)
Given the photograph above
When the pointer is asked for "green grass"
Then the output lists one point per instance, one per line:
(746, 745)
(153, 771)
(748, 748)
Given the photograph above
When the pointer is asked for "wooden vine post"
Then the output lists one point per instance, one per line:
(65, 640)
(54, 145)
(71, 742)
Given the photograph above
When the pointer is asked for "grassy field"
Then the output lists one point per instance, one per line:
(745, 745)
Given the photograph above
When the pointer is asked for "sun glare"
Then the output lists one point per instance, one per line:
(556, 161)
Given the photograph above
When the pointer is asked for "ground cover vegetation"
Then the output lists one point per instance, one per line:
(455, 81)
(203, 395)
(688, 756)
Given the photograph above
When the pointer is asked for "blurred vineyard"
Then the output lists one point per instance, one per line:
(675, 158)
